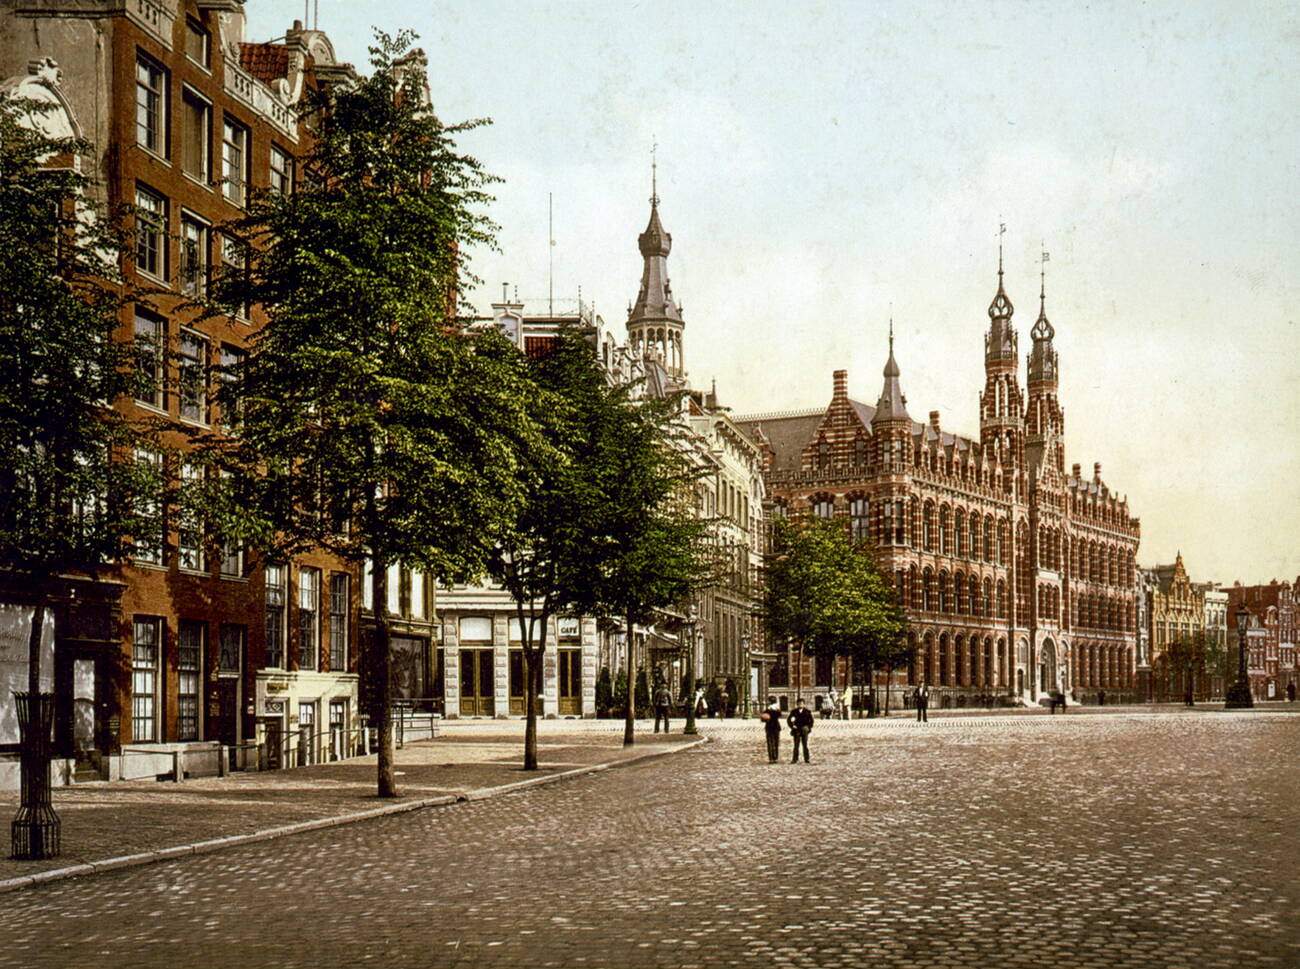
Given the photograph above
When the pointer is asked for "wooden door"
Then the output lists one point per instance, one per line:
(476, 683)
(570, 675)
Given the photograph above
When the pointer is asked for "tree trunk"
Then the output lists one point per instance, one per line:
(532, 673)
(690, 686)
(381, 680)
(889, 678)
(629, 713)
(34, 643)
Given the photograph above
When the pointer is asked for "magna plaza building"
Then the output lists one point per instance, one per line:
(187, 646)
(1016, 574)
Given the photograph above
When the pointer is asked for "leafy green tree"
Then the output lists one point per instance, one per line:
(373, 425)
(73, 496)
(828, 597)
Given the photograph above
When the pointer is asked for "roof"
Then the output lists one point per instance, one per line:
(786, 435)
(266, 62)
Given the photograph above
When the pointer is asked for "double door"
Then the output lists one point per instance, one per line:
(519, 686)
(570, 683)
(477, 684)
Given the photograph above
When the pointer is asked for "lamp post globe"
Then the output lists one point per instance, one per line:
(1239, 696)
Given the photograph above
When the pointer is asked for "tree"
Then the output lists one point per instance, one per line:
(604, 692)
(827, 596)
(72, 493)
(657, 553)
(374, 424)
(1193, 654)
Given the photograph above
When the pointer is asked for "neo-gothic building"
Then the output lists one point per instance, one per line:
(1017, 576)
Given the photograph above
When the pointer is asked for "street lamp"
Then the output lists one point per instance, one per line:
(688, 631)
(1239, 696)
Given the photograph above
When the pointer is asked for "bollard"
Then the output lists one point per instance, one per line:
(178, 769)
(221, 760)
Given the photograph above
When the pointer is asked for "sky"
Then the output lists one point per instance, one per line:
(822, 166)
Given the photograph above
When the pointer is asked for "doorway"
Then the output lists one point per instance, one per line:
(518, 686)
(1047, 667)
(476, 683)
(570, 704)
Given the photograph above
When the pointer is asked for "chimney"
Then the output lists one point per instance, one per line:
(1096, 472)
(841, 384)
(1078, 469)
(934, 420)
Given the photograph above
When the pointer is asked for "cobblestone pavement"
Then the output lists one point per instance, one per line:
(1160, 839)
(104, 820)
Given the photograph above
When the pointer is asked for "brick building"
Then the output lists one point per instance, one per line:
(189, 643)
(1272, 661)
(1017, 576)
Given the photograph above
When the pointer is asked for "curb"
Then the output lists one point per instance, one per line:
(316, 824)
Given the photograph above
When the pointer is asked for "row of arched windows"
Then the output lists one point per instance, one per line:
(1103, 612)
(926, 590)
(958, 660)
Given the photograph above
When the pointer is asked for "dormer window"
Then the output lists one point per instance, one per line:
(823, 455)
(859, 451)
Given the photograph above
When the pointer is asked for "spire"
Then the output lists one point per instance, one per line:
(1000, 308)
(892, 405)
(1043, 328)
(655, 299)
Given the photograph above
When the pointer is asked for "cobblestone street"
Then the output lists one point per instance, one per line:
(1155, 839)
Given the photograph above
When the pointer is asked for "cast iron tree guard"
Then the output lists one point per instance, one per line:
(1239, 696)
(35, 828)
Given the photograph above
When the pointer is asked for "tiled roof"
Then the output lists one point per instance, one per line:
(266, 62)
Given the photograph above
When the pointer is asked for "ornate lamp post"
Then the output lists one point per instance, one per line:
(1239, 695)
(688, 631)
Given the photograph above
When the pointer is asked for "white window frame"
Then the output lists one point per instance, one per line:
(191, 555)
(145, 653)
(308, 618)
(152, 331)
(195, 255)
(151, 233)
(187, 362)
(152, 554)
(235, 138)
(276, 577)
(282, 176)
(191, 97)
(189, 680)
(151, 105)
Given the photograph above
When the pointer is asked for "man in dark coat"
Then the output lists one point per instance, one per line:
(800, 722)
(663, 701)
(771, 718)
(923, 703)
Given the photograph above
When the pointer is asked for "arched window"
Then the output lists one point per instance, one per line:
(824, 508)
(927, 580)
(943, 660)
(959, 530)
(859, 450)
(945, 604)
(928, 527)
(988, 597)
(975, 535)
(959, 592)
(988, 539)
(1002, 599)
(945, 530)
(913, 588)
(974, 595)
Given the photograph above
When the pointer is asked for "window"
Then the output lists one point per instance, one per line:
(281, 171)
(230, 659)
(232, 555)
(275, 582)
(189, 660)
(228, 394)
(194, 256)
(824, 508)
(234, 161)
(150, 105)
(417, 594)
(234, 262)
(193, 374)
(339, 621)
(145, 640)
(149, 546)
(858, 523)
(150, 233)
(190, 527)
(150, 341)
(196, 136)
(197, 43)
(859, 451)
(394, 590)
(823, 455)
(308, 618)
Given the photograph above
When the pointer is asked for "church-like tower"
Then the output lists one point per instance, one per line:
(1044, 421)
(1001, 404)
(890, 424)
(654, 321)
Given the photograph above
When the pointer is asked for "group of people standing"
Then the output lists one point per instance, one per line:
(799, 722)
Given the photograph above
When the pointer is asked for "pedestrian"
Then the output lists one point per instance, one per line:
(1290, 692)
(771, 718)
(828, 704)
(701, 708)
(923, 703)
(800, 722)
(724, 704)
(663, 702)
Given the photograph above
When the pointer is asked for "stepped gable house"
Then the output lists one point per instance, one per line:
(1017, 576)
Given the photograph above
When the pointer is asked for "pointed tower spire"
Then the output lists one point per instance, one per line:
(654, 321)
(892, 405)
(1001, 308)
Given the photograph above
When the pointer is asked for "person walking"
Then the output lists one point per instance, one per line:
(771, 718)
(663, 703)
(1290, 692)
(828, 704)
(724, 704)
(923, 703)
(800, 722)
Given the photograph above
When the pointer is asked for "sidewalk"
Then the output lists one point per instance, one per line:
(103, 821)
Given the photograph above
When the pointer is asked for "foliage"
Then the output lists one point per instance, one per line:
(372, 423)
(604, 692)
(827, 595)
(72, 494)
